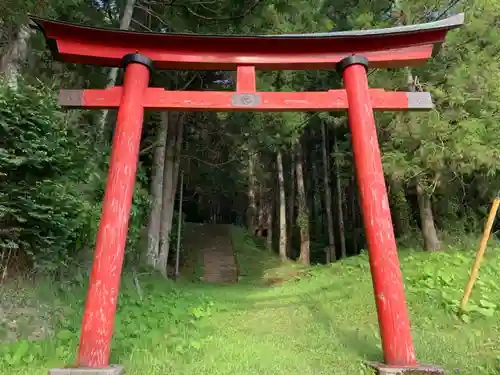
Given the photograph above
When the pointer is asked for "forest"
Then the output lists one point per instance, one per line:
(287, 178)
(288, 173)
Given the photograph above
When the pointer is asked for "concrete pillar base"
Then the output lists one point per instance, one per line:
(111, 370)
(418, 369)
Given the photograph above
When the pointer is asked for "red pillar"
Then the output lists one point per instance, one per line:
(100, 307)
(384, 263)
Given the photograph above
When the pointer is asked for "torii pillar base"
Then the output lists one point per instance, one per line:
(417, 369)
(111, 370)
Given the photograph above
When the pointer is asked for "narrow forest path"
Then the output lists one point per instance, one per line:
(213, 242)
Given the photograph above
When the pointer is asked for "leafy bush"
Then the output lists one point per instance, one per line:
(441, 278)
(159, 316)
(43, 211)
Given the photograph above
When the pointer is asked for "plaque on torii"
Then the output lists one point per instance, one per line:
(352, 53)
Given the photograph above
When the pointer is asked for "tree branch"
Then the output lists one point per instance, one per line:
(443, 13)
(215, 165)
(223, 19)
(153, 14)
(141, 25)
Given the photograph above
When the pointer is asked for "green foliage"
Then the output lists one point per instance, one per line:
(443, 285)
(159, 316)
(141, 204)
(52, 188)
(186, 328)
(447, 149)
(42, 164)
(302, 221)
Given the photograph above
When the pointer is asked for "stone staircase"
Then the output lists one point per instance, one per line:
(213, 241)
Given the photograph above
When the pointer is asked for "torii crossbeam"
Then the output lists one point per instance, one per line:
(350, 52)
(245, 100)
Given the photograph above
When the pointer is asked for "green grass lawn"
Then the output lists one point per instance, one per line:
(321, 321)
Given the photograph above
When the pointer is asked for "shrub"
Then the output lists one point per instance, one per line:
(43, 210)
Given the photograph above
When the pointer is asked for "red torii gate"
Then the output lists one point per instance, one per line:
(350, 52)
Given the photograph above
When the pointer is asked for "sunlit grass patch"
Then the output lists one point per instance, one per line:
(319, 320)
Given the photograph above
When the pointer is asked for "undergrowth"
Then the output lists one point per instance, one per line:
(315, 320)
(149, 313)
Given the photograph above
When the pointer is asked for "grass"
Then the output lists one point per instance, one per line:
(280, 319)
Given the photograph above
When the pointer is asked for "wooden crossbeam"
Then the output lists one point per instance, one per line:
(228, 101)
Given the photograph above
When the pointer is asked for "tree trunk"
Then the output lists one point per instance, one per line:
(179, 121)
(14, 57)
(317, 210)
(261, 209)
(170, 176)
(330, 253)
(252, 187)
(399, 207)
(291, 204)
(340, 200)
(113, 72)
(269, 219)
(281, 187)
(302, 210)
(431, 240)
(157, 193)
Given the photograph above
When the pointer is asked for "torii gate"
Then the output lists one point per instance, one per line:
(350, 52)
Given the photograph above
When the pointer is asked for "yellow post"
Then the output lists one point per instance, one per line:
(480, 253)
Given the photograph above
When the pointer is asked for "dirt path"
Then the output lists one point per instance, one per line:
(214, 243)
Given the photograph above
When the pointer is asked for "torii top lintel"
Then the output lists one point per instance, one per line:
(385, 48)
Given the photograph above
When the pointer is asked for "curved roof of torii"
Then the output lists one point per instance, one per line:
(390, 47)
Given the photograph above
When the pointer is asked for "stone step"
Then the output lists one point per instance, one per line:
(214, 241)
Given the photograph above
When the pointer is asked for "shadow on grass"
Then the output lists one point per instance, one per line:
(351, 338)
(236, 298)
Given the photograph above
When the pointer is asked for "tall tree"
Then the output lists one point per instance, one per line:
(302, 209)
(252, 193)
(330, 253)
(291, 202)
(429, 232)
(340, 199)
(170, 177)
(15, 56)
(156, 191)
(282, 207)
(125, 21)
